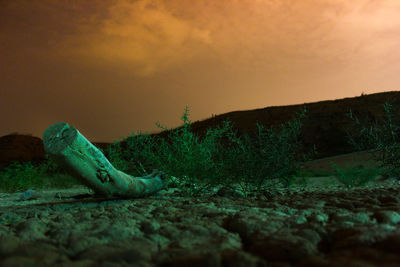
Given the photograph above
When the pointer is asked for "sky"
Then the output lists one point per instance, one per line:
(111, 68)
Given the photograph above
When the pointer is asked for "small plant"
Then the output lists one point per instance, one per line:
(272, 156)
(18, 176)
(187, 162)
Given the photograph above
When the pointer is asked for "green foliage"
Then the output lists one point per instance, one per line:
(272, 156)
(202, 165)
(195, 164)
(18, 176)
(185, 157)
(384, 138)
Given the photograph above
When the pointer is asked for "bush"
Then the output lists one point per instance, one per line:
(384, 138)
(20, 176)
(196, 166)
(272, 156)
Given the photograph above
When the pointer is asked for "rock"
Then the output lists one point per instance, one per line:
(28, 194)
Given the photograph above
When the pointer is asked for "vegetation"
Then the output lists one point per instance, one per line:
(384, 138)
(196, 165)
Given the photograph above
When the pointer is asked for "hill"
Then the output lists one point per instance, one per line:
(325, 126)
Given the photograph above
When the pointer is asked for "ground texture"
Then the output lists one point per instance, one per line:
(318, 226)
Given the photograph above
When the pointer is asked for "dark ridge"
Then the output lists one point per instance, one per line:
(325, 126)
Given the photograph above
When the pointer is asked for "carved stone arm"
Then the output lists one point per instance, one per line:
(70, 149)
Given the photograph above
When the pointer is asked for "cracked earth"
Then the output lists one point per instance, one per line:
(322, 225)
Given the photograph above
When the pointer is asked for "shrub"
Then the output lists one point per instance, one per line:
(202, 165)
(385, 140)
(185, 157)
(272, 156)
(20, 176)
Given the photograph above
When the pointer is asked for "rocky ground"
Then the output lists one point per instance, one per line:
(322, 225)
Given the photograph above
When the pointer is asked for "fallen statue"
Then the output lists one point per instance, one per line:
(67, 147)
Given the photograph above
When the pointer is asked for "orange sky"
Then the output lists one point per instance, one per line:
(110, 68)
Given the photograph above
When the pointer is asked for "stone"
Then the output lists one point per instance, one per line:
(67, 147)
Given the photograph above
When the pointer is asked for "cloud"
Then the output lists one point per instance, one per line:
(144, 37)
(146, 33)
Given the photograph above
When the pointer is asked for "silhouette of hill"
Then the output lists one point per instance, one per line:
(325, 126)
(18, 147)
(325, 123)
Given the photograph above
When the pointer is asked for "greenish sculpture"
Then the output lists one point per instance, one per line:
(66, 146)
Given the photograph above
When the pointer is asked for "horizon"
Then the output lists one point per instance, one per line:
(112, 68)
(362, 94)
